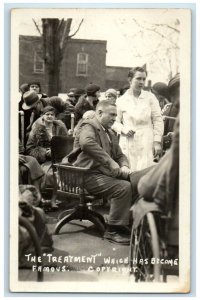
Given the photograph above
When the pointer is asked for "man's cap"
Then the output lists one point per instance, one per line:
(160, 88)
(91, 89)
(79, 92)
(174, 83)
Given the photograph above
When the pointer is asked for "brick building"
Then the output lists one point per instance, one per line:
(84, 61)
(116, 77)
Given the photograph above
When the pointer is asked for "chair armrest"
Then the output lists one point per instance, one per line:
(71, 168)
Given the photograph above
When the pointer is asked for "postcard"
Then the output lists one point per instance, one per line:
(69, 230)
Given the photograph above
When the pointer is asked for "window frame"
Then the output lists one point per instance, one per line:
(82, 62)
(37, 59)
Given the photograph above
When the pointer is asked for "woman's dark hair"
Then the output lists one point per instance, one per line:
(48, 108)
(57, 103)
(35, 82)
(133, 71)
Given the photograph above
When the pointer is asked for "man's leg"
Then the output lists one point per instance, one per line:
(135, 178)
(120, 194)
(118, 191)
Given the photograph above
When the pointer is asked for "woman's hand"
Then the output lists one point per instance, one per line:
(128, 132)
(157, 149)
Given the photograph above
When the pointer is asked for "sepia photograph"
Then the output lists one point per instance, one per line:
(100, 141)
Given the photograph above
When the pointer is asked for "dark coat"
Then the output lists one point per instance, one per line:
(82, 106)
(161, 183)
(170, 110)
(39, 140)
(34, 113)
(165, 181)
(96, 152)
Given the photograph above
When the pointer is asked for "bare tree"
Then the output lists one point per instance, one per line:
(167, 45)
(154, 43)
(55, 34)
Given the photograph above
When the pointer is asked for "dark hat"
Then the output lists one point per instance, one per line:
(24, 87)
(91, 89)
(124, 89)
(160, 88)
(48, 108)
(79, 92)
(71, 92)
(174, 83)
(30, 99)
(34, 82)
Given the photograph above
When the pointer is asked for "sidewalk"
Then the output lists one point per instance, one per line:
(81, 254)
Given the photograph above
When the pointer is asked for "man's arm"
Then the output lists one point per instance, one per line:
(89, 145)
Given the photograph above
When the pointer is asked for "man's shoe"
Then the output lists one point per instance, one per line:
(124, 230)
(116, 237)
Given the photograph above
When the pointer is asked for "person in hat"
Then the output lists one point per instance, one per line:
(39, 140)
(71, 96)
(32, 107)
(160, 90)
(31, 99)
(87, 102)
(70, 106)
(78, 93)
(139, 122)
(36, 87)
(63, 110)
(111, 95)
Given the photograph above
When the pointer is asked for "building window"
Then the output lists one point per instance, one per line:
(38, 65)
(82, 64)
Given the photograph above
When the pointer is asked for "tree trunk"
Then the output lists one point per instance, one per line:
(51, 55)
(55, 37)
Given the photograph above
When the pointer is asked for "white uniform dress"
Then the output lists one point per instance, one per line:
(143, 115)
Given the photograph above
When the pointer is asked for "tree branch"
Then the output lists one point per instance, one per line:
(37, 27)
(168, 26)
(70, 36)
(60, 24)
(157, 32)
(65, 33)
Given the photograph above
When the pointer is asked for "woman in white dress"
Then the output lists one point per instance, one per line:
(139, 122)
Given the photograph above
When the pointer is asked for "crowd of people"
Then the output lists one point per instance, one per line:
(122, 136)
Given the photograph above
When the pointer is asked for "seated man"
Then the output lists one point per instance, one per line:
(99, 150)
